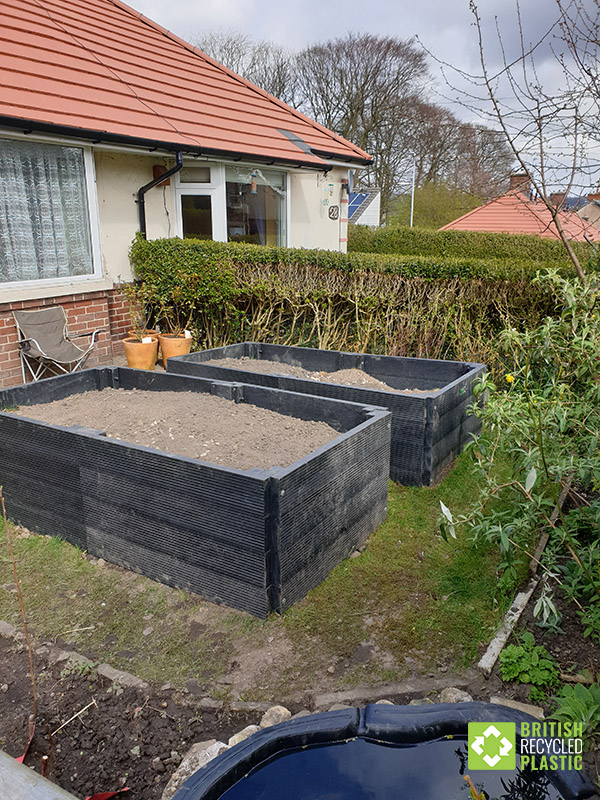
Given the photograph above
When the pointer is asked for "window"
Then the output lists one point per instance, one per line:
(232, 203)
(255, 206)
(44, 212)
(195, 175)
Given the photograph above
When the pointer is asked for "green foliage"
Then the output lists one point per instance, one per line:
(435, 205)
(529, 663)
(174, 255)
(545, 415)
(231, 292)
(580, 704)
(506, 252)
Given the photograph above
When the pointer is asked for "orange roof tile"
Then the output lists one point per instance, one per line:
(514, 212)
(99, 69)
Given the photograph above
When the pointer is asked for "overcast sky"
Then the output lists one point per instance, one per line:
(445, 27)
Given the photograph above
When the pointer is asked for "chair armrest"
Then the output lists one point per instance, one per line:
(25, 344)
(88, 333)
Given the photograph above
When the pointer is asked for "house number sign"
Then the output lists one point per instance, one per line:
(334, 212)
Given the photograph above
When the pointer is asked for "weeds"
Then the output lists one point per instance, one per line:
(527, 662)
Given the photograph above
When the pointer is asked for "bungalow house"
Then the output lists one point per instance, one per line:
(519, 211)
(110, 124)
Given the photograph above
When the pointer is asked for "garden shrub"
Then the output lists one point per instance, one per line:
(507, 252)
(329, 300)
(545, 414)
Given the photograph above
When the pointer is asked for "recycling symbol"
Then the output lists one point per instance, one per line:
(492, 746)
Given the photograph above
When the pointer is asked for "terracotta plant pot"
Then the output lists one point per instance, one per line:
(140, 355)
(174, 345)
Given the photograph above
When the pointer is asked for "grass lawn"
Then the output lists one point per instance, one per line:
(409, 603)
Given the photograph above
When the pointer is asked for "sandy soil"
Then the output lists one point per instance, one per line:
(190, 424)
(347, 377)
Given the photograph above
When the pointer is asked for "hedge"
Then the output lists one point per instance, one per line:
(500, 251)
(236, 292)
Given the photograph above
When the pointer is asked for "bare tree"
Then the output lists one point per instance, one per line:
(372, 91)
(263, 63)
(360, 86)
(547, 128)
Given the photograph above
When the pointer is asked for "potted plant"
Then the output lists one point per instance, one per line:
(141, 343)
(176, 340)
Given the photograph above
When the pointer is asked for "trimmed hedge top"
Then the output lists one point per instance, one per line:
(164, 255)
(507, 248)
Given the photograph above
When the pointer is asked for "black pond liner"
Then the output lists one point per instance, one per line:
(429, 429)
(376, 753)
(256, 540)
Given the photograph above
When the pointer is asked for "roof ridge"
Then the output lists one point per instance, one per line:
(169, 34)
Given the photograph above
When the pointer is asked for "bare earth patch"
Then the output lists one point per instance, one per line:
(347, 377)
(190, 424)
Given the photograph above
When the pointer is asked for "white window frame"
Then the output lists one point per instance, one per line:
(216, 189)
(93, 218)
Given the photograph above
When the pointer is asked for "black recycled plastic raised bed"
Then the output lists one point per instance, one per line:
(376, 753)
(257, 540)
(429, 427)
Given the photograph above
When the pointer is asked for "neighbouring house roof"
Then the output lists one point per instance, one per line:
(516, 212)
(590, 212)
(97, 69)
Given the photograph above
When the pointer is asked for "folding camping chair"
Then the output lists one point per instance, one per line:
(44, 343)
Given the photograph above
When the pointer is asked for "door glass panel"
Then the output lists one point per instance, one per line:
(196, 211)
(255, 206)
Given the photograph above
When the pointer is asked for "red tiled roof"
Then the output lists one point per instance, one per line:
(516, 213)
(100, 66)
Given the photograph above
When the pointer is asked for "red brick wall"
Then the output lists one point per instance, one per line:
(104, 309)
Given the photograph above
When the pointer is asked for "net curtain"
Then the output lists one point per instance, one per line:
(44, 222)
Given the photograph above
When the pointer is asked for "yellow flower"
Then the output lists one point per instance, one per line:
(510, 378)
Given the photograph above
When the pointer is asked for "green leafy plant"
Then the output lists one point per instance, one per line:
(527, 662)
(544, 415)
(139, 311)
(580, 703)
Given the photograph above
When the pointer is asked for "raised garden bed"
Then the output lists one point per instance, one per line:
(254, 539)
(430, 423)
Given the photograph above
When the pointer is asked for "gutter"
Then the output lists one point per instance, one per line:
(141, 201)
(96, 138)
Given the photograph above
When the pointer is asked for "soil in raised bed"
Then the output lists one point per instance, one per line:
(347, 377)
(190, 424)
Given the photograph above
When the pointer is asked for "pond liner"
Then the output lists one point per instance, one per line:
(257, 540)
(429, 427)
(383, 724)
